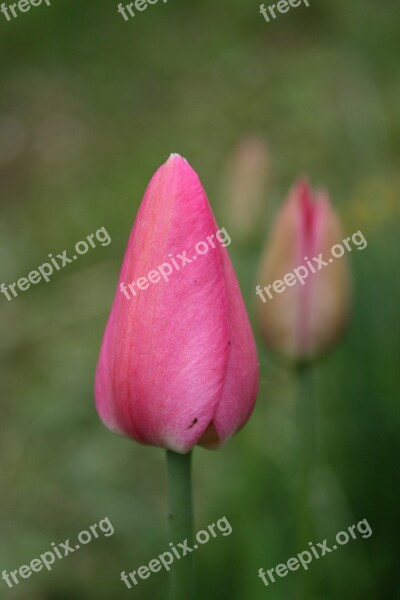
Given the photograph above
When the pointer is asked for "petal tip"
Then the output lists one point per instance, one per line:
(174, 156)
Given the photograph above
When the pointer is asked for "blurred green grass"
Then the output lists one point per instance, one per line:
(99, 104)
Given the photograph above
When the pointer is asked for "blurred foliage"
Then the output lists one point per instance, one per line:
(90, 107)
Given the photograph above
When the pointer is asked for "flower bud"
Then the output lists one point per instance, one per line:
(304, 304)
(178, 363)
(244, 189)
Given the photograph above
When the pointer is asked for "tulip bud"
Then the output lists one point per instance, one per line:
(178, 363)
(304, 306)
(245, 186)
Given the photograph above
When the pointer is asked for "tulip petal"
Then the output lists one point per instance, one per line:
(242, 376)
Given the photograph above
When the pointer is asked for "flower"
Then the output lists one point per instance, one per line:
(245, 186)
(310, 313)
(178, 363)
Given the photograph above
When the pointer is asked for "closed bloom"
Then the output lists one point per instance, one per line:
(245, 186)
(309, 312)
(178, 363)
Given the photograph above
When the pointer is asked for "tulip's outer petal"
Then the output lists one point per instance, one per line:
(165, 356)
(279, 316)
(330, 300)
(242, 376)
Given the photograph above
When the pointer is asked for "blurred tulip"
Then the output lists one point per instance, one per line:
(178, 364)
(245, 186)
(304, 318)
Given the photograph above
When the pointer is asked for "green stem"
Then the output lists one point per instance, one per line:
(180, 515)
(306, 419)
(307, 463)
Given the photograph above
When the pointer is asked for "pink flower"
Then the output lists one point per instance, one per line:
(178, 363)
(307, 315)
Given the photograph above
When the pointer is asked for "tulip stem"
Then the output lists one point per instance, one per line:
(307, 455)
(307, 420)
(180, 517)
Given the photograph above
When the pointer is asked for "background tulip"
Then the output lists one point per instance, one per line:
(245, 186)
(304, 320)
(178, 364)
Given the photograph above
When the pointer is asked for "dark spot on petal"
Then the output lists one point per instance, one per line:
(193, 423)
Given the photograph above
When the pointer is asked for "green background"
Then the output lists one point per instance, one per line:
(91, 105)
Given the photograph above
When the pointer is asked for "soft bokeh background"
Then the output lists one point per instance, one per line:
(90, 107)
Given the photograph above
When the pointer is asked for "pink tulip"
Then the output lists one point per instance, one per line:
(178, 363)
(304, 319)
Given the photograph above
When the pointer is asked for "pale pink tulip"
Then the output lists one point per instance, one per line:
(245, 186)
(302, 321)
(178, 364)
